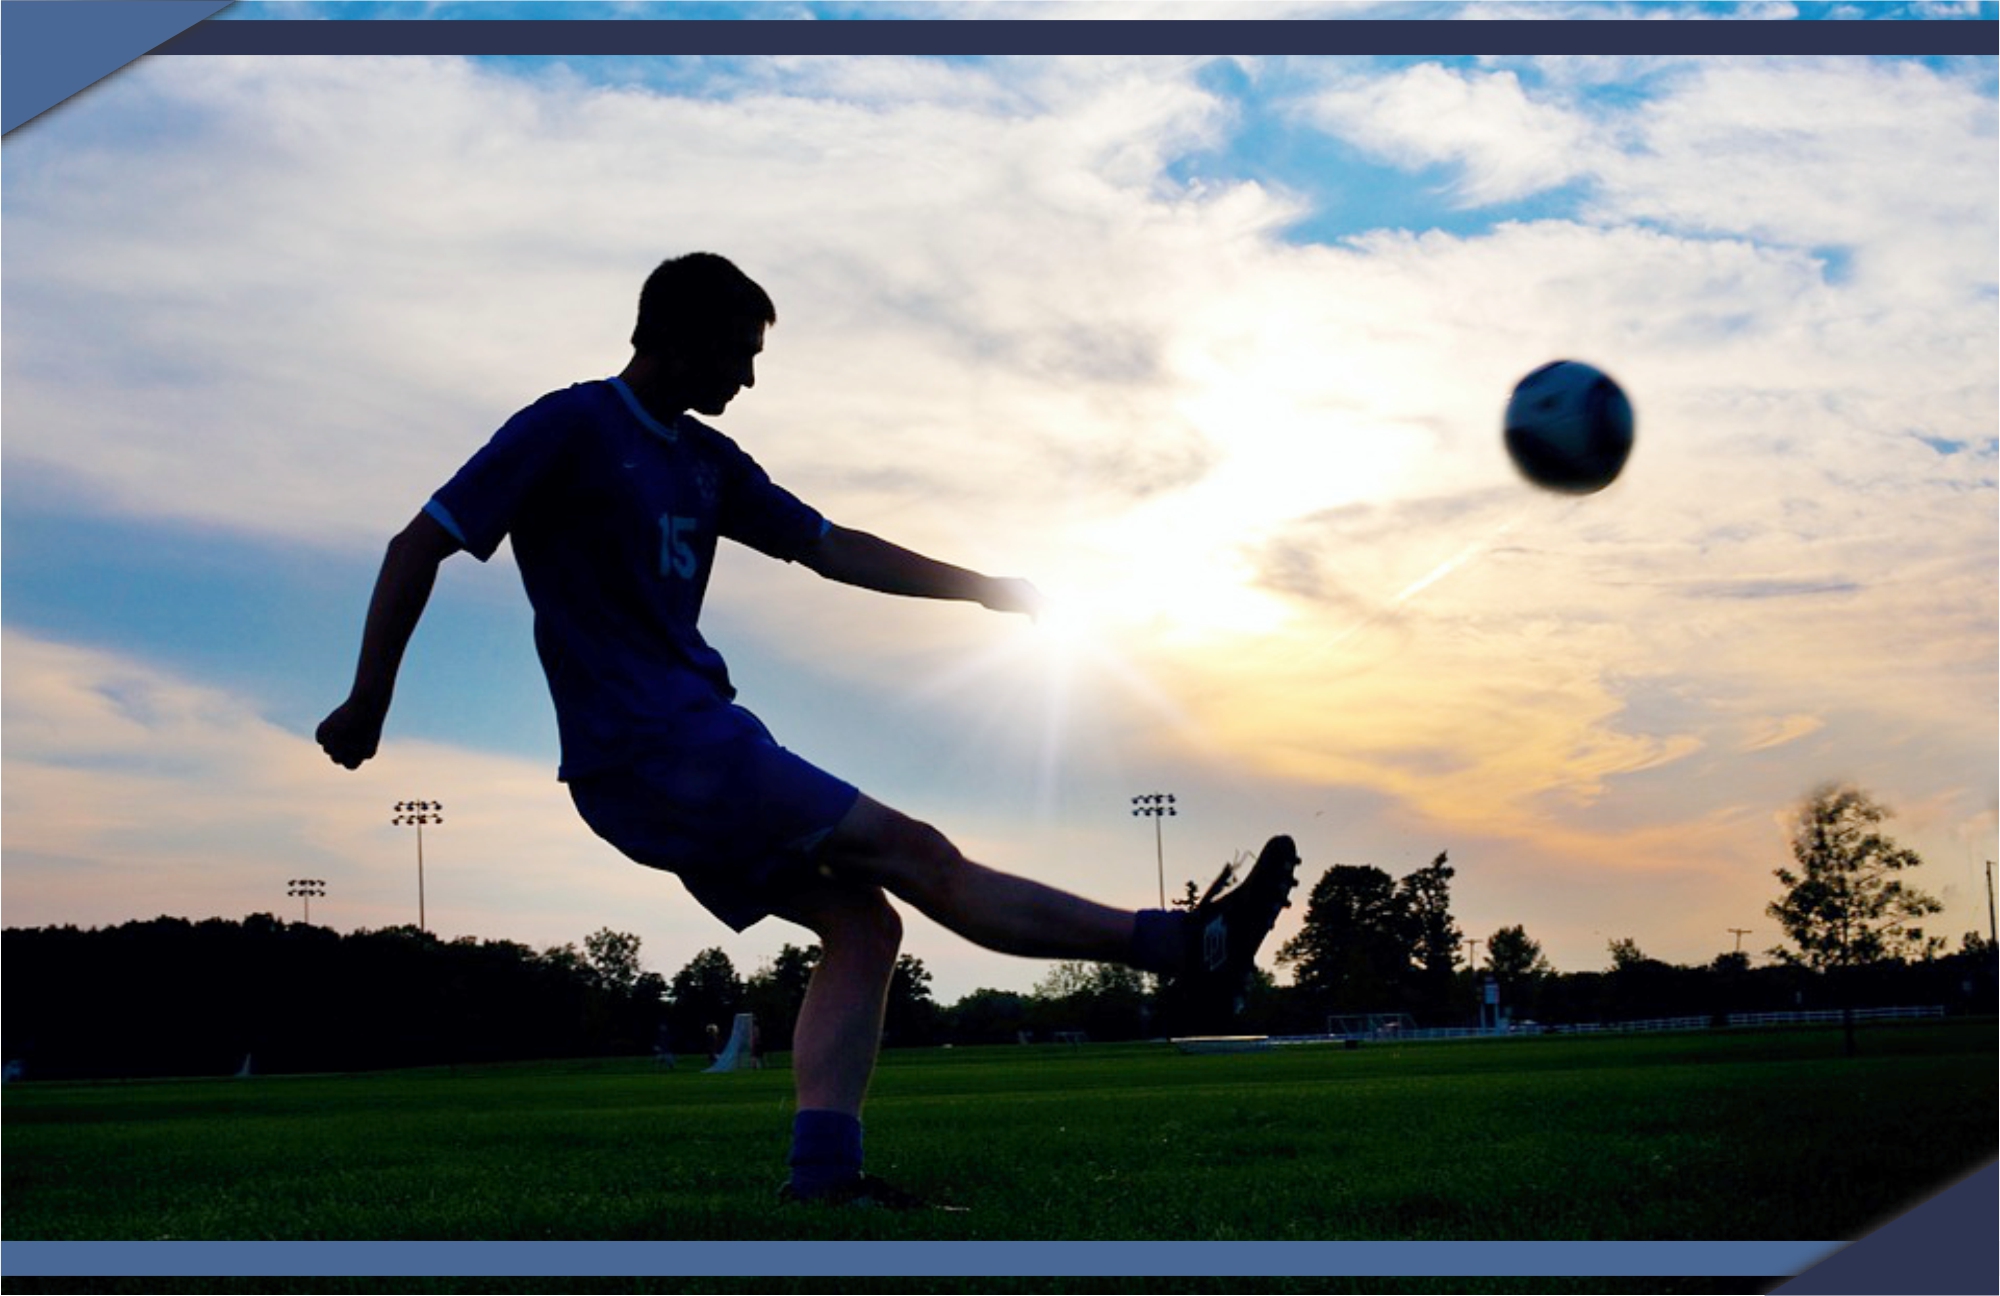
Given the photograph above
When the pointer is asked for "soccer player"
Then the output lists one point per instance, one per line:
(615, 497)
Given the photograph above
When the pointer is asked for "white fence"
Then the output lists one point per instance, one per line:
(1649, 1024)
(1391, 1034)
(1833, 1015)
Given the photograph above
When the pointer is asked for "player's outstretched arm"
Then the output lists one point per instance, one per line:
(353, 731)
(870, 562)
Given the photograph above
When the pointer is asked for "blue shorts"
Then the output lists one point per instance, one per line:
(736, 819)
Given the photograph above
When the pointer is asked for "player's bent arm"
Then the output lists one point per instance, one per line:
(351, 734)
(870, 562)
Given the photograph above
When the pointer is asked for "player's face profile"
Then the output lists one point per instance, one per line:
(726, 364)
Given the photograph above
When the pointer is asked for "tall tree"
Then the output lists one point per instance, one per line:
(614, 959)
(1353, 952)
(912, 1016)
(775, 991)
(1425, 897)
(1847, 907)
(1104, 1000)
(1515, 960)
(707, 992)
(1514, 957)
(1625, 954)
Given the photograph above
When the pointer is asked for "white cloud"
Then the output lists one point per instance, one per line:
(1504, 143)
(1892, 160)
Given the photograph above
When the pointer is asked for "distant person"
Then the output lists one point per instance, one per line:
(615, 498)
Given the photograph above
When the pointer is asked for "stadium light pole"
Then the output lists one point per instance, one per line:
(417, 814)
(305, 889)
(1156, 806)
(1472, 972)
(1992, 927)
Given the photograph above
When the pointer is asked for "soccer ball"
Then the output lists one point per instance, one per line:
(1569, 427)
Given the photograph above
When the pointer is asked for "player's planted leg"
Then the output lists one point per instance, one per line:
(838, 1032)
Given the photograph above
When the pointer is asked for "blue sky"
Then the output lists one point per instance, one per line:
(1212, 348)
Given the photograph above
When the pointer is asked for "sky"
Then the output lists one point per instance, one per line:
(1213, 349)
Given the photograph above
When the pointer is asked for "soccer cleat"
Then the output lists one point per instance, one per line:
(1223, 935)
(865, 1192)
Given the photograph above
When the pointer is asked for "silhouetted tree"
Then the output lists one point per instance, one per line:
(614, 959)
(775, 991)
(1353, 952)
(1425, 897)
(988, 1016)
(707, 992)
(1846, 907)
(912, 1015)
(1516, 962)
(1107, 1001)
(170, 997)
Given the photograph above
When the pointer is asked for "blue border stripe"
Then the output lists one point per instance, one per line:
(442, 516)
(1085, 36)
(914, 1259)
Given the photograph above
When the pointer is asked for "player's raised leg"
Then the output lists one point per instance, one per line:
(1014, 915)
(915, 862)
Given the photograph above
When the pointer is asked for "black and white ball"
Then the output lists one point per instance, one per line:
(1569, 427)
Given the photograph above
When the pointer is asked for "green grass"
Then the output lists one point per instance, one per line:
(1753, 1136)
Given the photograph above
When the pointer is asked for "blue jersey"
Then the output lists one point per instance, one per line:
(614, 518)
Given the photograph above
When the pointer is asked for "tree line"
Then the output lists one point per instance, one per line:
(174, 997)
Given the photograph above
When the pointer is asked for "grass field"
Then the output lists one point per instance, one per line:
(1698, 1137)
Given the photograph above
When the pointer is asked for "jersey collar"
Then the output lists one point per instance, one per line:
(646, 420)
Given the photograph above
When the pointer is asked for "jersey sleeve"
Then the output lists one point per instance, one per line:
(764, 515)
(479, 504)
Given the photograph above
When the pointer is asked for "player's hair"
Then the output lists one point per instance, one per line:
(687, 298)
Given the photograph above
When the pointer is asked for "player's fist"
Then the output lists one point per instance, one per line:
(351, 734)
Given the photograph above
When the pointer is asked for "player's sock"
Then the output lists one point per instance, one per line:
(1159, 940)
(826, 1152)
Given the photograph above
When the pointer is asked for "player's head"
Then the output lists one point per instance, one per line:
(702, 321)
(690, 299)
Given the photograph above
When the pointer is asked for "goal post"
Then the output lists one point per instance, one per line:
(740, 1053)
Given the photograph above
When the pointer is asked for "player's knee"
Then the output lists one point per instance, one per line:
(929, 856)
(906, 856)
(880, 924)
(873, 931)
(861, 925)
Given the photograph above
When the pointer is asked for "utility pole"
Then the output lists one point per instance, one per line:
(1155, 806)
(1741, 932)
(306, 889)
(417, 814)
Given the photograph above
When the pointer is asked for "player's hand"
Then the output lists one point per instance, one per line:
(1011, 594)
(351, 734)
